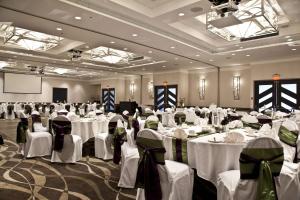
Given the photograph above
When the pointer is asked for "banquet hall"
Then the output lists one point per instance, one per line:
(150, 99)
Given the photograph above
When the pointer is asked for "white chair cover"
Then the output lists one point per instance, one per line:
(231, 187)
(72, 148)
(103, 142)
(176, 179)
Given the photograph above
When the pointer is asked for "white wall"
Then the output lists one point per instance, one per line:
(78, 91)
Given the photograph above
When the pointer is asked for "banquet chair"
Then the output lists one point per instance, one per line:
(190, 115)
(10, 113)
(172, 180)
(288, 134)
(67, 147)
(179, 117)
(36, 143)
(103, 140)
(37, 125)
(263, 174)
(129, 157)
(152, 122)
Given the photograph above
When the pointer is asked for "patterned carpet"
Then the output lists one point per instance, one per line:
(38, 178)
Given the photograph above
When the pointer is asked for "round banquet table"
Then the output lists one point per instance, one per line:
(88, 128)
(209, 158)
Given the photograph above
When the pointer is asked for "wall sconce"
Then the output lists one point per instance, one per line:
(202, 89)
(236, 87)
(132, 89)
(150, 89)
(165, 83)
(276, 77)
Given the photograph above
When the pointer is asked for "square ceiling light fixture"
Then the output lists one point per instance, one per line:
(243, 21)
(112, 56)
(26, 39)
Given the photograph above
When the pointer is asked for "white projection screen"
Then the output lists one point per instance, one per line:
(22, 83)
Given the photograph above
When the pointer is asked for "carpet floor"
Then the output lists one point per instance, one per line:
(38, 178)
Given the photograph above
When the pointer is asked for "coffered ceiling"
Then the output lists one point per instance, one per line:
(166, 34)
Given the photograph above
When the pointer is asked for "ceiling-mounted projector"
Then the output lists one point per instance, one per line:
(224, 6)
(75, 54)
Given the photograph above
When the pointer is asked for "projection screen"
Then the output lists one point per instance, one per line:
(22, 83)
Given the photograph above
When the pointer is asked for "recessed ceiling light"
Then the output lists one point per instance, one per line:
(143, 69)
(247, 55)
(59, 28)
(211, 60)
(134, 35)
(149, 51)
(191, 62)
(109, 69)
(77, 18)
(289, 40)
(172, 47)
(233, 54)
(87, 46)
(288, 36)
(125, 48)
(180, 14)
(112, 42)
(237, 45)
(163, 66)
(294, 49)
(241, 47)
(176, 58)
(14, 56)
(197, 55)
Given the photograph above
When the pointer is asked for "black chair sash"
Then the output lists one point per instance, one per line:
(136, 127)
(10, 109)
(60, 129)
(21, 130)
(147, 174)
(118, 139)
(68, 107)
(35, 119)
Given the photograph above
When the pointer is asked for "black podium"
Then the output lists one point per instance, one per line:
(130, 106)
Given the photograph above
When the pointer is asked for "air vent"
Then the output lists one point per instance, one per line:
(134, 59)
(196, 9)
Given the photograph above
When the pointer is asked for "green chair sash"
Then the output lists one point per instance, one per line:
(151, 125)
(256, 126)
(287, 136)
(263, 165)
(179, 118)
(179, 148)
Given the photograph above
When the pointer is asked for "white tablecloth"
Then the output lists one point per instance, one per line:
(208, 158)
(88, 128)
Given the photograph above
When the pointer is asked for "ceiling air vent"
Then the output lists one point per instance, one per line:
(138, 58)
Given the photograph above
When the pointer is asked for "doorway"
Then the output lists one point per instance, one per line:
(281, 95)
(108, 99)
(165, 96)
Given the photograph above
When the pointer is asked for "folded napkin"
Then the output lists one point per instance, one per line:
(168, 110)
(265, 130)
(249, 119)
(125, 112)
(233, 137)
(180, 134)
(280, 114)
(235, 124)
(254, 113)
